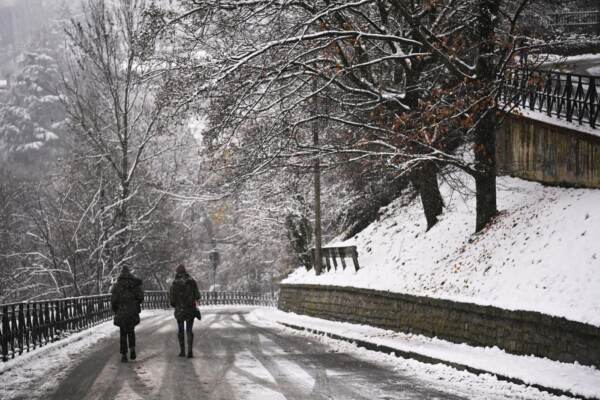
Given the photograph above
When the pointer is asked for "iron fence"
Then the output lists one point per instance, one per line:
(27, 326)
(154, 300)
(572, 97)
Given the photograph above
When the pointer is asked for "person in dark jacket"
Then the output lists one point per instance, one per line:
(183, 295)
(126, 300)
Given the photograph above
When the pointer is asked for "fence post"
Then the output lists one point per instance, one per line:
(47, 329)
(28, 324)
(54, 306)
(532, 88)
(568, 94)
(4, 333)
(548, 92)
(331, 252)
(355, 258)
(593, 95)
(35, 329)
(60, 317)
(21, 328)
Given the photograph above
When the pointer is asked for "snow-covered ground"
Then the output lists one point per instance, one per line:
(240, 354)
(40, 370)
(574, 378)
(541, 253)
(562, 122)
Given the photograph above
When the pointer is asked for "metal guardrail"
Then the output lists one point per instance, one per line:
(561, 95)
(331, 254)
(27, 326)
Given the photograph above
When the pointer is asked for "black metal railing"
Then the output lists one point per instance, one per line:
(27, 326)
(330, 255)
(155, 300)
(577, 21)
(574, 98)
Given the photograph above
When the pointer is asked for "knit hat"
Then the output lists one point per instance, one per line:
(180, 269)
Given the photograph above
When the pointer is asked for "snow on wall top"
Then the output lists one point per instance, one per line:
(541, 254)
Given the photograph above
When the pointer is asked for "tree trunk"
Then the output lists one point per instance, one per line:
(485, 179)
(485, 135)
(424, 178)
(122, 240)
(425, 181)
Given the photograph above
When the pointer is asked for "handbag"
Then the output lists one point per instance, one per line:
(197, 313)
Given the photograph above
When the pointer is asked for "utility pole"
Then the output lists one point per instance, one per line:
(317, 188)
(214, 262)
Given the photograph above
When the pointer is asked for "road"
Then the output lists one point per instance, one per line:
(237, 359)
(586, 66)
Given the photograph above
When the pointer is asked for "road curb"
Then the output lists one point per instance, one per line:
(432, 360)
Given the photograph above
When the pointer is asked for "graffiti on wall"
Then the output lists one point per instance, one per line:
(547, 153)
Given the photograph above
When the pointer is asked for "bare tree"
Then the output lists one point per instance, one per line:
(404, 85)
(111, 99)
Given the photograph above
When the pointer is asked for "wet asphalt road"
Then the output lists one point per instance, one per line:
(234, 360)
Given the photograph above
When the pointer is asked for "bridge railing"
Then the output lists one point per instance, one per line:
(27, 326)
(330, 255)
(572, 97)
(577, 21)
(154, 300)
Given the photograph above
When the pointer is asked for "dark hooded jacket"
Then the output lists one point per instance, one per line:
(126, 300)
(182, 295)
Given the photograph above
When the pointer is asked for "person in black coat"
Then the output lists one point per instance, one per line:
(183, 295)
(127, 296)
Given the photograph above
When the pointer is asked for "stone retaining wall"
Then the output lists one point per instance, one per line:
(547, 153)
(518, 332)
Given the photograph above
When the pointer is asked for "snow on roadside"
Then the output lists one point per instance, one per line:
(540, 254)
(560, 122)
(35, 374)
(585, 64)
(575, 378)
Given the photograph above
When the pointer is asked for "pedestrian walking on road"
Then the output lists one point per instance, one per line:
(183, 295)
(126, 300)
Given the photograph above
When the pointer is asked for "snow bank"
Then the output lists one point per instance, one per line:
(577, 379)
(542, 253)
(554, 120)
(584, 64)
(36, 374)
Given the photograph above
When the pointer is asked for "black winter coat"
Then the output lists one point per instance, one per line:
(126, 300)
(182, 295)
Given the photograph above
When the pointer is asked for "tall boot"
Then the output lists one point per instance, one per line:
(181, 345)
(190, 343)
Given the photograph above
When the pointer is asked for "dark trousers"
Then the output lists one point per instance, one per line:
(189, 324)
(127, 338)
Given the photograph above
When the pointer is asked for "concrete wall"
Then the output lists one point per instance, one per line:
(519, 332)
(547, 153)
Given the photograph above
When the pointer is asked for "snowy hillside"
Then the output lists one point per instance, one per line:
(542, 253)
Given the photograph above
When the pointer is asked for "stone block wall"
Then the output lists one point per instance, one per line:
(547, 153)
(518, 332)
